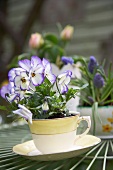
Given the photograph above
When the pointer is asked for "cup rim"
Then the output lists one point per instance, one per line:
(108, 106)
(75, 113)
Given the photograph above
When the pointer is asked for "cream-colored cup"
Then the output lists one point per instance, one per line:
(57, 135)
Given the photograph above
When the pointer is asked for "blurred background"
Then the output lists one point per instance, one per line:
(91, 19)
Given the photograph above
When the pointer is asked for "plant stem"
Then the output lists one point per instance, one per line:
(93, 114)
(93, 91)
(98, 93)
(59, 91)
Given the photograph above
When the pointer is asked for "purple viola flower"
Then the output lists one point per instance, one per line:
(63, 81)
(67, 60)
(48, 71)
(98, 80)
(92, 64)
(24, 112)
(6, 90)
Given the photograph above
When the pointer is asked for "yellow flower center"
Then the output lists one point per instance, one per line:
(33, 74)
(23, 80)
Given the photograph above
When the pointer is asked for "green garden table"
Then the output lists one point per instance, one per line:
(99, 157)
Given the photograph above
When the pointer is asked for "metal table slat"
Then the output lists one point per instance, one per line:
(13, 134)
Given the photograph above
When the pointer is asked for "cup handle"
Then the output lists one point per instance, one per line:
(88, 120)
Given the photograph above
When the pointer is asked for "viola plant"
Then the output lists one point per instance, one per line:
(34, 92)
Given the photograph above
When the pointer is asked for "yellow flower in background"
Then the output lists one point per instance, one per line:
(110, 119)
(107, 128)
(5, 82)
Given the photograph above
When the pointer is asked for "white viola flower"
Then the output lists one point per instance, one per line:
(48, 71)
(13, 73)
(45, 106)
(36, 72)
(22, 81)
(63, 81)
(24, 112)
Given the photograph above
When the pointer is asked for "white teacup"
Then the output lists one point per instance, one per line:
(57, 135)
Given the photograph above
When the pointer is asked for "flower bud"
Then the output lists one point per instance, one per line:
(67, 33)
(67, 60)
(36, 41)
(92, 64)
(98, 80)
(91, 100)
(45, 106)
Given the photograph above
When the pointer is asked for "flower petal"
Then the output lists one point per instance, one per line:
(51, 77)
(11, 97)
(64, 88)
(38, 69)
(37, 79)
(22, 81)
(25, 64)
(24, 86)
(48, 69)
(62, 75)
(4, 90)
(18, 71)
(62, 79)
(24, 112)
(45, 106)
(18, 112)
(17, 81)
(9, 88)
(67, 80)
(32, 87)
(13, 72)
(23, 74)
(45, 62)
(35, 61)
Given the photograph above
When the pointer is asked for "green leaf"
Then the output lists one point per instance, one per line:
(3, 108)
(84, 86)
(24, 56)
(107, 90)
(52, 38)
(107, 102)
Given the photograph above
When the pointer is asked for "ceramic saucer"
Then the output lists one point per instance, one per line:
(82, 145)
